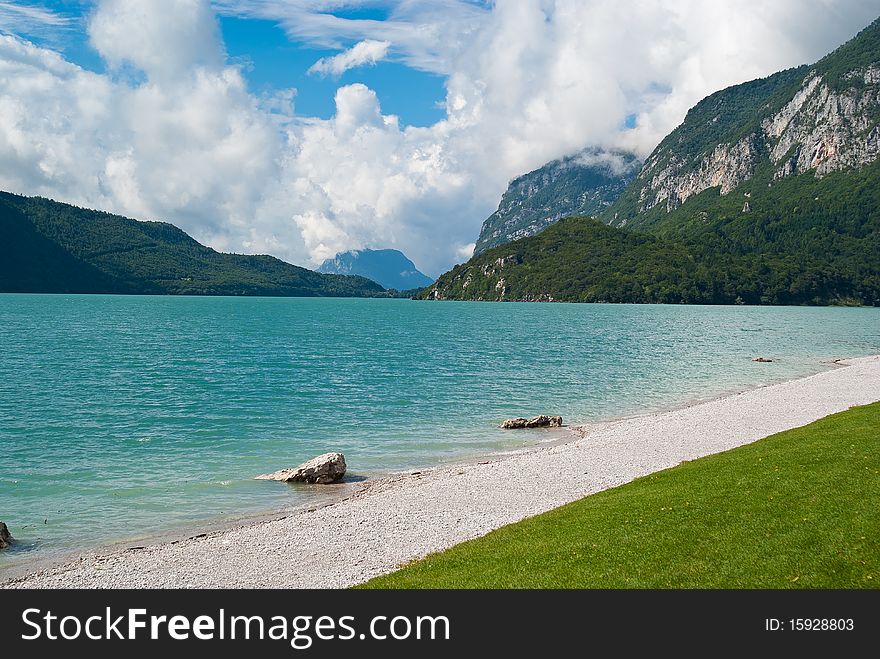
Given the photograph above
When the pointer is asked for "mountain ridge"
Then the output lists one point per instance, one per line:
(820, 118)
(52, 247)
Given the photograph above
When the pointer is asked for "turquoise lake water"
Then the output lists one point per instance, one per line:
(122, 417)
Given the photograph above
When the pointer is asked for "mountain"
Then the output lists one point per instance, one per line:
(767, 193)
(583, 184)
(389, 267)
(806, 121)
(50, 247)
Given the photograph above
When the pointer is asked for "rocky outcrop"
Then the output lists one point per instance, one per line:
(820, 130)
(542, 421)
(775, 126)
(499, 264)
(583, 184)
(6, 538)
(726, 168)
(825, 130)
(324, 469)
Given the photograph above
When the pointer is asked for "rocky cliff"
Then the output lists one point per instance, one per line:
(825, 130)
(811, 120)
(586, 183)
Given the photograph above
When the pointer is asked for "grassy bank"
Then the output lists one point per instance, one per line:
(795, 510)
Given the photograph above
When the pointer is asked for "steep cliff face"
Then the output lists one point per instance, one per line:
(818, 130)
(586, 183)
(810, 120)
(673, 183)
(825, 130)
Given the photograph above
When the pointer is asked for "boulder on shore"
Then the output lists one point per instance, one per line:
(6, 538)
(542, 421)
(325, 469)
(762, 360)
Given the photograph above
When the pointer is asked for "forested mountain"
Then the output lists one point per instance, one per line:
(769, 192)
(50, 247)
(583, 184)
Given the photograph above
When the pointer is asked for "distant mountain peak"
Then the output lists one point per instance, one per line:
(387, 267)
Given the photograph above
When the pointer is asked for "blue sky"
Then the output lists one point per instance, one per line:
(271, 60)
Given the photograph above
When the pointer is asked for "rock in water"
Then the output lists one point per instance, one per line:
(542, 421)
(5, 538)
(327, 468)
(762, 360)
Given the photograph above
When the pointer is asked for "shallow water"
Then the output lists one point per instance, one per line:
(125, 416)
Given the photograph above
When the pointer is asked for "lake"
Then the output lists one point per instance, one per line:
(122, 417)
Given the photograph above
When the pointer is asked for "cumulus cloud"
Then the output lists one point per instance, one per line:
(186, 144)
(162, 39)
(612, 161)
(363, 53)
(173, 133)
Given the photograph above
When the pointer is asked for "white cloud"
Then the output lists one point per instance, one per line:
(188, 144)
(361, 54)
(162, 38)
(356, 175)
(465, 252)
(173, 132)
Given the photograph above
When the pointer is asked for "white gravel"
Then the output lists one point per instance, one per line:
(393, 521)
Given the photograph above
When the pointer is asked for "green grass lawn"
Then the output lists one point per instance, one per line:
(800, 509)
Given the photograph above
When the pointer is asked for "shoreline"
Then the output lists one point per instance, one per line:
(337, 493)
(331, 495)
(226, 553)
